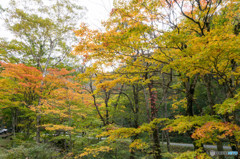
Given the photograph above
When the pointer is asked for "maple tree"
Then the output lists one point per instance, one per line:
(167, 68)
(41, 34)
(207, 59)
(61, 103)
(135, 43)
(20, 85)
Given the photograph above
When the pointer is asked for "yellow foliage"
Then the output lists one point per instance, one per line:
(123, 133)
(52, 127)
(229, 105)
(138, 144)
(193, 155)
(215, 131)
(185, 123)
(94, 151)
(180, 104)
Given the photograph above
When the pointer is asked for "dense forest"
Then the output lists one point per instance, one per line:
(161, 75)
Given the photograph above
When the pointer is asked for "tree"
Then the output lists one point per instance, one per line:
(20, 90)
(180, 48)
(160, 68)
(42, 34)
(198, 40)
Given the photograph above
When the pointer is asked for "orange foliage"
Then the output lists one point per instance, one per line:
(212, 131)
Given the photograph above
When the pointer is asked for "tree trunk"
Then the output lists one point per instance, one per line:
(38, 117)
(13, 123)
(220, 148)
(234, 145)
(189, 96)
(95, 102)
(154, 111)
(168, 141)
(211, 103)
(207, 82)
(190, 86)
(98, 111)
(166, 131)
(69, 122)
(28, 129)
(38, 128)
(147, 104)
(189, 90)
(107, 96)
(156, 146)
(135, 111)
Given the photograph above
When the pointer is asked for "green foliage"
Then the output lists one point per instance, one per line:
(182, 124)
(40, 28)
(230, 105)
(191, 155)
(31, 151)
(176, 71)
